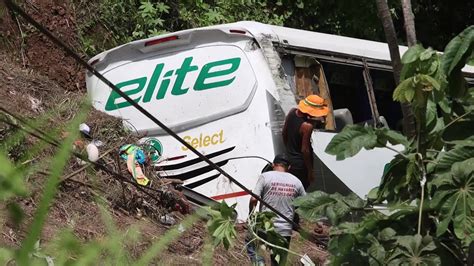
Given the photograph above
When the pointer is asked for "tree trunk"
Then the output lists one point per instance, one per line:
(409, 20)
(391, 37)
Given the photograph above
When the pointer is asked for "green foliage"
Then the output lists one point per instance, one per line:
(319, 204)
(416, 250)
(355, 137)
(457, 52)
(199, 13)
(221, 224)
(454, 198)
(57, 165)
(130, 20)
(417, 87)
(428, 189)
(449, 158)
(261, 226)
(400, 181)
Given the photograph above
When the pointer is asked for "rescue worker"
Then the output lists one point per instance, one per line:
(299, 125)
(278, 188)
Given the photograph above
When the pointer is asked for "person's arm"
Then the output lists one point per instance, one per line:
(306, 130)
(285, 128)
(258, 191)
(252, 204)
(301, 191)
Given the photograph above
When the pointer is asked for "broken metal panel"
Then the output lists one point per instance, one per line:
(284, 95)
(370, 93)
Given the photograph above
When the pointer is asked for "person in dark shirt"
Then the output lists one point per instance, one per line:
(299, 125)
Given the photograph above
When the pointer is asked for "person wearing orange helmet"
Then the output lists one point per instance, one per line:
(297, 130)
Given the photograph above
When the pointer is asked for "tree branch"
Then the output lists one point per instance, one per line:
(392, 149)
(457, 119)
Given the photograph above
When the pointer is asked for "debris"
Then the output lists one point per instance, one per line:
(167, 220)
(135, 157)
(85, 130)
(129, 149)
(92, 152)
(97, 142)
(35, 104)
(136, 171)
(306, 261)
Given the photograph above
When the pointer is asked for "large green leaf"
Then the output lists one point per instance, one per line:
(412, 54)
(319, 204)
(455, 198)
(455, 56)
(385, 135)
(458, 154)
(427, 54)
(417, 250)
(408, 70)
(405, 91)
(400, 180)
(414, 89)
(457, 51)
(353, 138)
(221, 225)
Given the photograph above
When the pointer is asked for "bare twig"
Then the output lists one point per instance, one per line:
(266, 242)
(22, 45)
(87, 165)
(457, 119)
(392, 149)
(422, 184)
(14, 241)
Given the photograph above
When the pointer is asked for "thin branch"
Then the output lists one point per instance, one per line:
(457, 119)
(22, 45)
(422, 184)
(452, 252)
(275, 246)
(87, 165)
(392, 149)
(266, 242)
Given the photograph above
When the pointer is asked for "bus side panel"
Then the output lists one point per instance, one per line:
(247, 133)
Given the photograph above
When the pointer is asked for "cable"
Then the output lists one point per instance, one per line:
(16, 9)
(248, 157)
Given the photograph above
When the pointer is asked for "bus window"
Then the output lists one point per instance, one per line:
(347, 87)
(305, 77)
(383, 89)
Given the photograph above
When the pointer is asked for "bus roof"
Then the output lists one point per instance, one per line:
(326, 42)
(294, 38)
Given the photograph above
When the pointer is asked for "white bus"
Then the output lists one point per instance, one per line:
(226, 90)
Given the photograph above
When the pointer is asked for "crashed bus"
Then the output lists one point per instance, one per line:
(226, 90)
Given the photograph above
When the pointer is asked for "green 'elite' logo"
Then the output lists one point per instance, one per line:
(210, 70)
